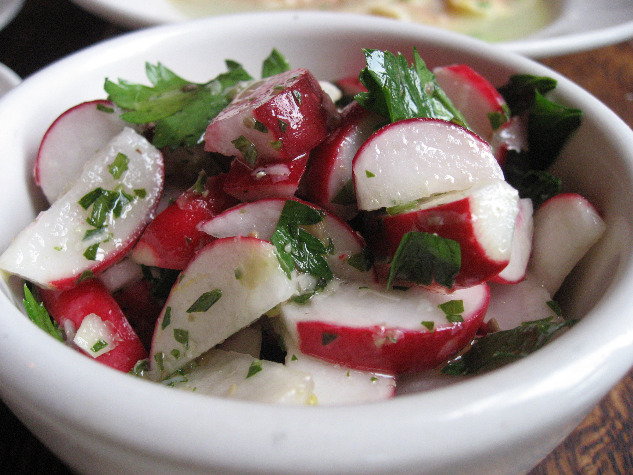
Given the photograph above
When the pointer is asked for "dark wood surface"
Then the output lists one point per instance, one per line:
(46, 30)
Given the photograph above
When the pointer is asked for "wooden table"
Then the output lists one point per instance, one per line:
(46, 30)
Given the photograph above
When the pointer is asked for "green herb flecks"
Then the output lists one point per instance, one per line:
(453, 309)
(363, 261)
(423, 258)
(39, 315)
(500, 348)
(398, 91)
(119, 165)
(296, 246)
(98, 346)
(327, 338)
(166, 319)
(181, 336)
(246, 148)
(205, 301)
(254, 368)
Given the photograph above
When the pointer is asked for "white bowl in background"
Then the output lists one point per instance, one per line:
(97, 419)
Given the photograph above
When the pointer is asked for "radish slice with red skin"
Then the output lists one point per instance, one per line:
(70, 141)
(269, 180)
(373, 330)
(282, 117)
(259, 219)
(566, 226)
(228, 285)
(53, 250)
(516, 269)
(91, 297)
(481, 219)
(510, 137)
(330, 166)
(475, 97)
(173, 237)
(416, 158)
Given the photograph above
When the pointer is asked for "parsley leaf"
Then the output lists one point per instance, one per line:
(39, 315)
(296, 246)
(519, 91)
(423, 257)
(181, 109)
(397, 91)
(274, 64)
(500, 348)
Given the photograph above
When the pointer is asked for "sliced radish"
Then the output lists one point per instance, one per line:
(481, 219)
(239, 376)
(416, 158)
(259, 219)
(521, 246)
(482, 105)
(392, 332)
(173, 237)
(511, 305)
(120, 347)
(328, 180)
(335, 384)
(247, 341)
(269, 180)
(351, 85)
(120, 275)
(510, 137)
(70, 141)
(97, 221)
(565, 228)
(275, 119)
(229, 284)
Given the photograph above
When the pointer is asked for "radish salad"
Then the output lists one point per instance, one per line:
(285, 239)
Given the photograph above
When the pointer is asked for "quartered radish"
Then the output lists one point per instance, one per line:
(481, 219)
(510, 137)
(565, 228)
(97, 221)
(416, 158)
(521, 245)
(70, 141)
(393, 331)
(328, 180)
(173, 237)
(275, 119)
(268, 180)
(102, 331)
(511, 305)
(335, 384)
(229, 284)
(259, 219)
(483, 106)
(239, 376)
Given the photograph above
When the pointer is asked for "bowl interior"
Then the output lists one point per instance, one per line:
(62, 394)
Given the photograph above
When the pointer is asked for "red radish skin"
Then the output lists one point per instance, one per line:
(295, 114)
(173, 237)
(416, 158)
(53, 250)
(71, 141)
(474, 96)
(330, 165)
(269, 180)
(481, 220)
(351, 85)
(92, 297)
(361, 337)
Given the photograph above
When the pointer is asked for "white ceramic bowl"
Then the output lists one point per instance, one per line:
(98, 420)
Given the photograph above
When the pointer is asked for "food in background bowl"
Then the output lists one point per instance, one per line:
(202, 434)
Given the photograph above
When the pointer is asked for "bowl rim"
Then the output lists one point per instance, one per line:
(282, 438)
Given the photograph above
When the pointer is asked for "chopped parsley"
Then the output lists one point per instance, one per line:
(398, 91)
(327, 338)
(205, 301)
(39, 315)
(453, 310)
(423, 258)
(99, 345)
(254, 368)
(181, 336)
(119, 165)
(274, 64)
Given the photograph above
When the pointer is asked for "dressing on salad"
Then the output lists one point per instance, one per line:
(263, 239)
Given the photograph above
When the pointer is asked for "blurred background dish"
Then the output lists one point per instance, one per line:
(8, 10)
(547, 27)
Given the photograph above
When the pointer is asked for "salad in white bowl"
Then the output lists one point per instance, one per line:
(88, 412)
(264, 239)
